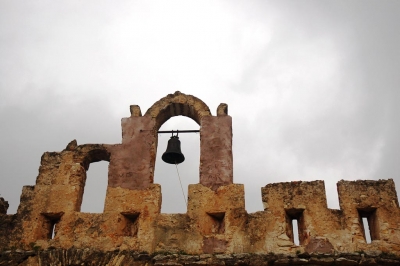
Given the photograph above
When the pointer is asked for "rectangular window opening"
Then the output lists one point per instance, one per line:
(94, 185)
(218, 222)
(369, 224)
(132, 223)
(295, 225)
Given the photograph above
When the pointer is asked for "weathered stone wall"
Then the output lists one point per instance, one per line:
(326, 230)
(49, 229)
(89, 256)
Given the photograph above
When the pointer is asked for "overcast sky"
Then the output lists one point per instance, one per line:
(313, 87)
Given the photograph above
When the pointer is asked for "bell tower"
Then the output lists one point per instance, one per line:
(50, 229)
(132, 162)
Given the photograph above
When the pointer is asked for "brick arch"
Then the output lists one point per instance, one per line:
(178, 104)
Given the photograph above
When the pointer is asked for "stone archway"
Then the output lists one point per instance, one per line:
(178, 104)
(133, 161)
(215, 135)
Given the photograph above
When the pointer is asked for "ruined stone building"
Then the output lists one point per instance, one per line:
(215, 230)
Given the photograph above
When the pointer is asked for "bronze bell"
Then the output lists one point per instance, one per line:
(173, 154)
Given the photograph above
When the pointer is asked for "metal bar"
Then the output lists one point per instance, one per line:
(179, 131)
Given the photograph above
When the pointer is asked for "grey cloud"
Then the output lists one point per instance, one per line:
(312, 86)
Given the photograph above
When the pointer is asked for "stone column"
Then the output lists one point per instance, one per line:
(216, 167)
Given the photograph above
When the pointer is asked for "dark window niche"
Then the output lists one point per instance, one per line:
(50, 224)
(217, 222)
(131, 223)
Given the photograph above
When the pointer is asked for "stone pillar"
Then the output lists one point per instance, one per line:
(216, 161)
(58, 190)
(132, 198)
(132, 162)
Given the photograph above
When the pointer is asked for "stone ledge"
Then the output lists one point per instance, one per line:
(88, 256)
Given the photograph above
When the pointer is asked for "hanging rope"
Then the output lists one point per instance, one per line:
(183, 193)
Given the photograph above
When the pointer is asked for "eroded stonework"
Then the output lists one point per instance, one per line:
(49, 229)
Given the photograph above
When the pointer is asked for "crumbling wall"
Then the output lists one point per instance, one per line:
(377, 201)
(216, 221)
(89, 256)
(326, 230)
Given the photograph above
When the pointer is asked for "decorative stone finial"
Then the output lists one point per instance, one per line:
(135, 110)
(222, 109)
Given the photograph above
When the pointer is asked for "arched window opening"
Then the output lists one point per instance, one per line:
(166, 174)
(94, 194)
